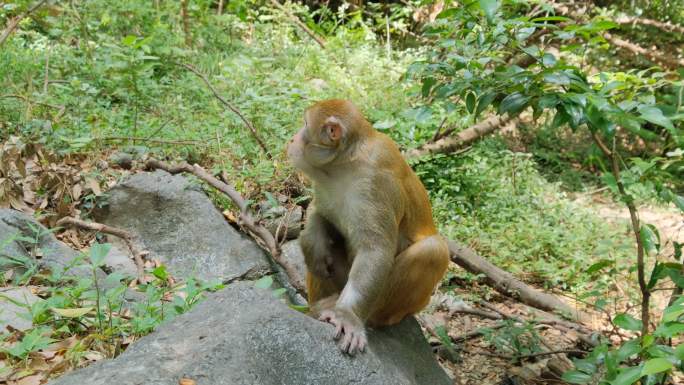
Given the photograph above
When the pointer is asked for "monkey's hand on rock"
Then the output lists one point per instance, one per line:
(349, 329)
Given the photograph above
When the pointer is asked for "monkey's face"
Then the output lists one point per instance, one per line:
(317, 144)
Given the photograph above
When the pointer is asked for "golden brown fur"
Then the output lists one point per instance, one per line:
(372, 250)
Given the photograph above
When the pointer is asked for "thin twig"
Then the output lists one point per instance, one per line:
(231, 107)
(636, 229)
(152, 140)
(14, 22)
(299, 23)
(60, 109)
(132, 241)
(46, 80)
(245, 218)
(530, 355)
(186, 22)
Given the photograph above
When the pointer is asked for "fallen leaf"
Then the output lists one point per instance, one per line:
(94, 356)
(73, 312)
(186, 381)
(94, 186)
(62, 345)
(31, 380)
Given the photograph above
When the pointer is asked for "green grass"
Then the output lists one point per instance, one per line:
(497, 202)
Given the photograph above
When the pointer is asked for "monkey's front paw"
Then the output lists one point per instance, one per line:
(349, 330)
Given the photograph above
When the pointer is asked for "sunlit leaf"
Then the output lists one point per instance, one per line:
(627, 376)
(72, 312)
(489, 7)
(576, 377)
(98, 252)
(655, 116)
(627, 322)
(655, 365)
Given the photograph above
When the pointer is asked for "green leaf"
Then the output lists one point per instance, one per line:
(650, 239)
(161, 273)
(489, 7)
(300, 308)
(470, 102)
(656, 365)
(669, 330)
(423, 115)
(677, 249)
(98, 252)
(548, 60)
(384, 124)
(672, 313)
(264, 282)
(513, 103)
(484, 102)
(679, 352)
(428, 83)
(627, 322)
(550, 18)
(129, 40)
(628, 349)
(279, 292)
(598, 266)
(627, 376)
(678, 200)
(655, 116)
(576, 377)
(73, 312)
(559, 78)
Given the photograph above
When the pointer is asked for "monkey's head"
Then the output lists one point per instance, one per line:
(331, 129)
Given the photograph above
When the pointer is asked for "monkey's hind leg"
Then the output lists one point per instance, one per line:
(416, 272)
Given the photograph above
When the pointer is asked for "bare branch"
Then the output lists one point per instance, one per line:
(462, 139)
(231, 107)
(665, 26)
(245, 219)
(12, 24)
(299, 23)
(132, 241)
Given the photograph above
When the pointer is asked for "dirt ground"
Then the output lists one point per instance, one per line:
(476, 362)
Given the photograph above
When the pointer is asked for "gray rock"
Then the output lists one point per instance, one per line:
(42, 248)
(180, 226)
(292, 255)
(286, 223)
(122, 159)
(242, 335)
(12, 312)
(117, 260)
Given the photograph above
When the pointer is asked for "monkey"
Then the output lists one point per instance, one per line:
(371, 248)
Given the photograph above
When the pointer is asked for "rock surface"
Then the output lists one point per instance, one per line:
(243, 335)
(292, 254)
(36, 243)
(12, 312)
(180, 226)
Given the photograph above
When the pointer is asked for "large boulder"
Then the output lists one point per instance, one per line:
(23, 238)
(181, 227)
(243, 335)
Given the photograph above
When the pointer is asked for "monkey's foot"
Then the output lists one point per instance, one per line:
(349, 330)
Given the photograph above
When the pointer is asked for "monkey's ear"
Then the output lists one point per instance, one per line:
(333, 128)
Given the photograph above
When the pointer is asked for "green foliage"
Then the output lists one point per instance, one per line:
(503, 207)
(99, 306)
(517, 340)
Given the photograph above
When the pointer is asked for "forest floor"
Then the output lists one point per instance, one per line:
(477, 364)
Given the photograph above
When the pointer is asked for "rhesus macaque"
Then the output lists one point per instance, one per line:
(372, 251)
